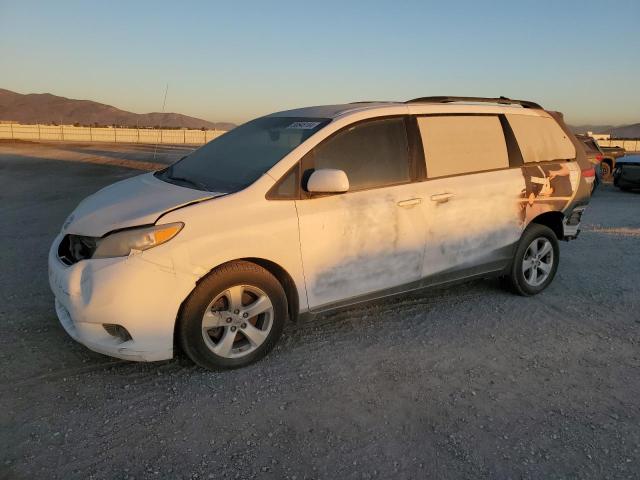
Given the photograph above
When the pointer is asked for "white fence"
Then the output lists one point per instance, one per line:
(66, 133)
(628, 145)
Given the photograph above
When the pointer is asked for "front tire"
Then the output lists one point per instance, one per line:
(233, 317)
(535, 262)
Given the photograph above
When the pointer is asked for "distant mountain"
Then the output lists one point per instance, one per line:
(621, 131)
(626, 131)
(47, 108)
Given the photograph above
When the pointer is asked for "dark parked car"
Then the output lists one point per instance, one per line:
(609, 159)
(627, 172)
(594, 155)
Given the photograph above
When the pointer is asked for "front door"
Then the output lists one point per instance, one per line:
(371, 238)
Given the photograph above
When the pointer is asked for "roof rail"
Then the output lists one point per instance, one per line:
(499, 100)
(371, 101)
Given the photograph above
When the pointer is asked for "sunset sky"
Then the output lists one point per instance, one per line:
(234, 60)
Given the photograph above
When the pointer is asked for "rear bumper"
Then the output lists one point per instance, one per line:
(140, 296)
(571, 223)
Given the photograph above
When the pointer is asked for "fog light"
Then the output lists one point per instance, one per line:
(117, 331)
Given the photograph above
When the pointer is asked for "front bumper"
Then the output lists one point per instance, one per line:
(141, 295)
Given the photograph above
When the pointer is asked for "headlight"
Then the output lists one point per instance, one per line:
(121, 244)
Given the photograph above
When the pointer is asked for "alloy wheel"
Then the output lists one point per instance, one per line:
(538, 261)
(237, 321)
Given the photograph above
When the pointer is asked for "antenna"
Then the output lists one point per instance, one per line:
(164, 102)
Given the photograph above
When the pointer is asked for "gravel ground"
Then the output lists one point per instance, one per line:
(464, 382)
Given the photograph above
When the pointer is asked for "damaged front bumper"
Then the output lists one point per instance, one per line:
(97, 300)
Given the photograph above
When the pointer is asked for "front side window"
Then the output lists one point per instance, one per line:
(238, 158)
(372, 153)
(459, 144)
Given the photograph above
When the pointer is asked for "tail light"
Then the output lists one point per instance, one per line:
(599, 158)
(589, 174)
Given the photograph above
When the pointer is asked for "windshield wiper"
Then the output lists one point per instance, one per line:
(168, 174)
(200, 186)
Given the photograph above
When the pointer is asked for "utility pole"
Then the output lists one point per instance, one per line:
(164, 102)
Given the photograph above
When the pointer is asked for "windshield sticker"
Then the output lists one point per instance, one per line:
(304, 125)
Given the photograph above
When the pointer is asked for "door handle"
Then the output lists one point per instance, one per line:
(442, 197)
(409, 202)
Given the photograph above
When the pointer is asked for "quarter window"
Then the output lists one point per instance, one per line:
(287, 187)
(462, 144)
(372, 154)
(541, 138)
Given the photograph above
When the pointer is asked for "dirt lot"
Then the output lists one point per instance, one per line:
(465, 382)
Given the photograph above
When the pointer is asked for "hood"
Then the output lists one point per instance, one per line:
(136, 201)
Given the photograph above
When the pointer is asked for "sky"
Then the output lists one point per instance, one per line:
(236, 60)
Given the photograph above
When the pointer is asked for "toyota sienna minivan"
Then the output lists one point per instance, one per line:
(308, 210)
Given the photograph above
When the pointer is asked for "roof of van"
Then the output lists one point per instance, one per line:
(435, 104)
(328, 111)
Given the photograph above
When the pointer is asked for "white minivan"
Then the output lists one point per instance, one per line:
(313, 209)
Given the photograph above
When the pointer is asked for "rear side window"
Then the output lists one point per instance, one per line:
(372, 154)
(460, 144)
(590, 145)
(541, 139)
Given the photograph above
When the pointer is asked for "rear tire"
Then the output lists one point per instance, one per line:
(535, 262)
(605, 170)
(233, 317)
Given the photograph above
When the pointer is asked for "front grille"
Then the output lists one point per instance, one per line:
(74, 248)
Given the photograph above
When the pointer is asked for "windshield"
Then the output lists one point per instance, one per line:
(238, 158)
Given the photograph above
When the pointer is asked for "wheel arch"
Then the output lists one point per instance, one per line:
(553, 220)
(281, 274)
(285, 279)
(609, 161)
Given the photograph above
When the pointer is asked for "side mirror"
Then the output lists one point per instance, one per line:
(328, 180)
